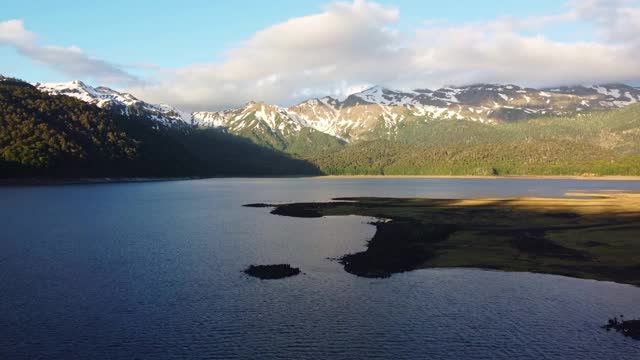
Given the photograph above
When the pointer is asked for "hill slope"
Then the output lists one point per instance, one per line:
(379, 113)
(616, 129)
(60, 136)
(74, 130)
(119, 102)
(271, 126)
(600, 143)
(372, 114)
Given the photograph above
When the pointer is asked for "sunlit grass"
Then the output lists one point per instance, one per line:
(588, 235)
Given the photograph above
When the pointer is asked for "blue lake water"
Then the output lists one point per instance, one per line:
(154, 270)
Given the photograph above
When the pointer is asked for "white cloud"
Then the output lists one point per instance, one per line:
(617, 21)
(351, 45)
(13, 32)
(346, 45)
(486, 53)
(70, 60)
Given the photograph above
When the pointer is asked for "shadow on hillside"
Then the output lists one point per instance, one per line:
(170, 153)
(56, 137)
(223, 154)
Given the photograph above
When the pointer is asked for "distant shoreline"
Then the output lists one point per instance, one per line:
(85, 181)
(521, 177)
(114, 180)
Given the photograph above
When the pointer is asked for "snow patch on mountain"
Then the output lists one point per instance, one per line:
(124, 103)
(371, 112)
(253, 115)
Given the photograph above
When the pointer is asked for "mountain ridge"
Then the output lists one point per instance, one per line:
(373, 113)
(124, 103)
(44, 135)
(59, 135)
(359, 115)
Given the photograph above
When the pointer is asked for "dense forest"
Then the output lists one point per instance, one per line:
(384, 157)
(59, 136)
(596, 143)
(616, 129)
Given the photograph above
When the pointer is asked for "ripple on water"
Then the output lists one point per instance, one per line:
(155, 271)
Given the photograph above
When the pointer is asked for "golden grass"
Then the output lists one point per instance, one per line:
(587, 235)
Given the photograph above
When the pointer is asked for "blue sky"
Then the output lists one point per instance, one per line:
(171, 33)
(156, 41)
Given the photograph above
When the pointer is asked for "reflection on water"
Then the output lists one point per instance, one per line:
(155, 270)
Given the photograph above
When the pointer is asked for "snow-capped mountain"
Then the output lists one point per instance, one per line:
(268, 124)
(252, 115)
(370, 114)
(124, 103)
(378, 111)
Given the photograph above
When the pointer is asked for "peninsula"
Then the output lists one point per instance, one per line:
(593, 236)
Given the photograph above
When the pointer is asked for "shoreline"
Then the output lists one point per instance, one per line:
(86, 181)
(588, 238)
(486, 177)
(114, 180)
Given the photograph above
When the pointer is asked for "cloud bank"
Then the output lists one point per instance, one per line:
(351, 45)
(70, 60)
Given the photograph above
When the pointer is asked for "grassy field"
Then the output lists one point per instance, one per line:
(594, 236)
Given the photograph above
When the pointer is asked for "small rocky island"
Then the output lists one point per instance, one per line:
(629, 328)
(270, 272)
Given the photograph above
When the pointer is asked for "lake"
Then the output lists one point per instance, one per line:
(154, 270)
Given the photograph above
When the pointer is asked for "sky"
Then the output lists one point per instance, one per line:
(210, 55)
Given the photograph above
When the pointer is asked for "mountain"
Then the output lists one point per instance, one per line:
(62, 136)
(123, 103)
(477, 130)
(599, 143)
(377, 113)
(269, 125)
(264, 124)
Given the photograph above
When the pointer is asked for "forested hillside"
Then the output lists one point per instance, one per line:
(617, 129)
(59, 136)
(514, 158)
(596, 143)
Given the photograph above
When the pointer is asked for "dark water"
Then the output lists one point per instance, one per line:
(153, 270)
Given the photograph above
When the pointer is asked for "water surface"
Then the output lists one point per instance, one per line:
(154, 270)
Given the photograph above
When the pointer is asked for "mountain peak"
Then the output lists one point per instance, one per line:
(326, 100)
(374, 95)
(376, 89)
(105, 97)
